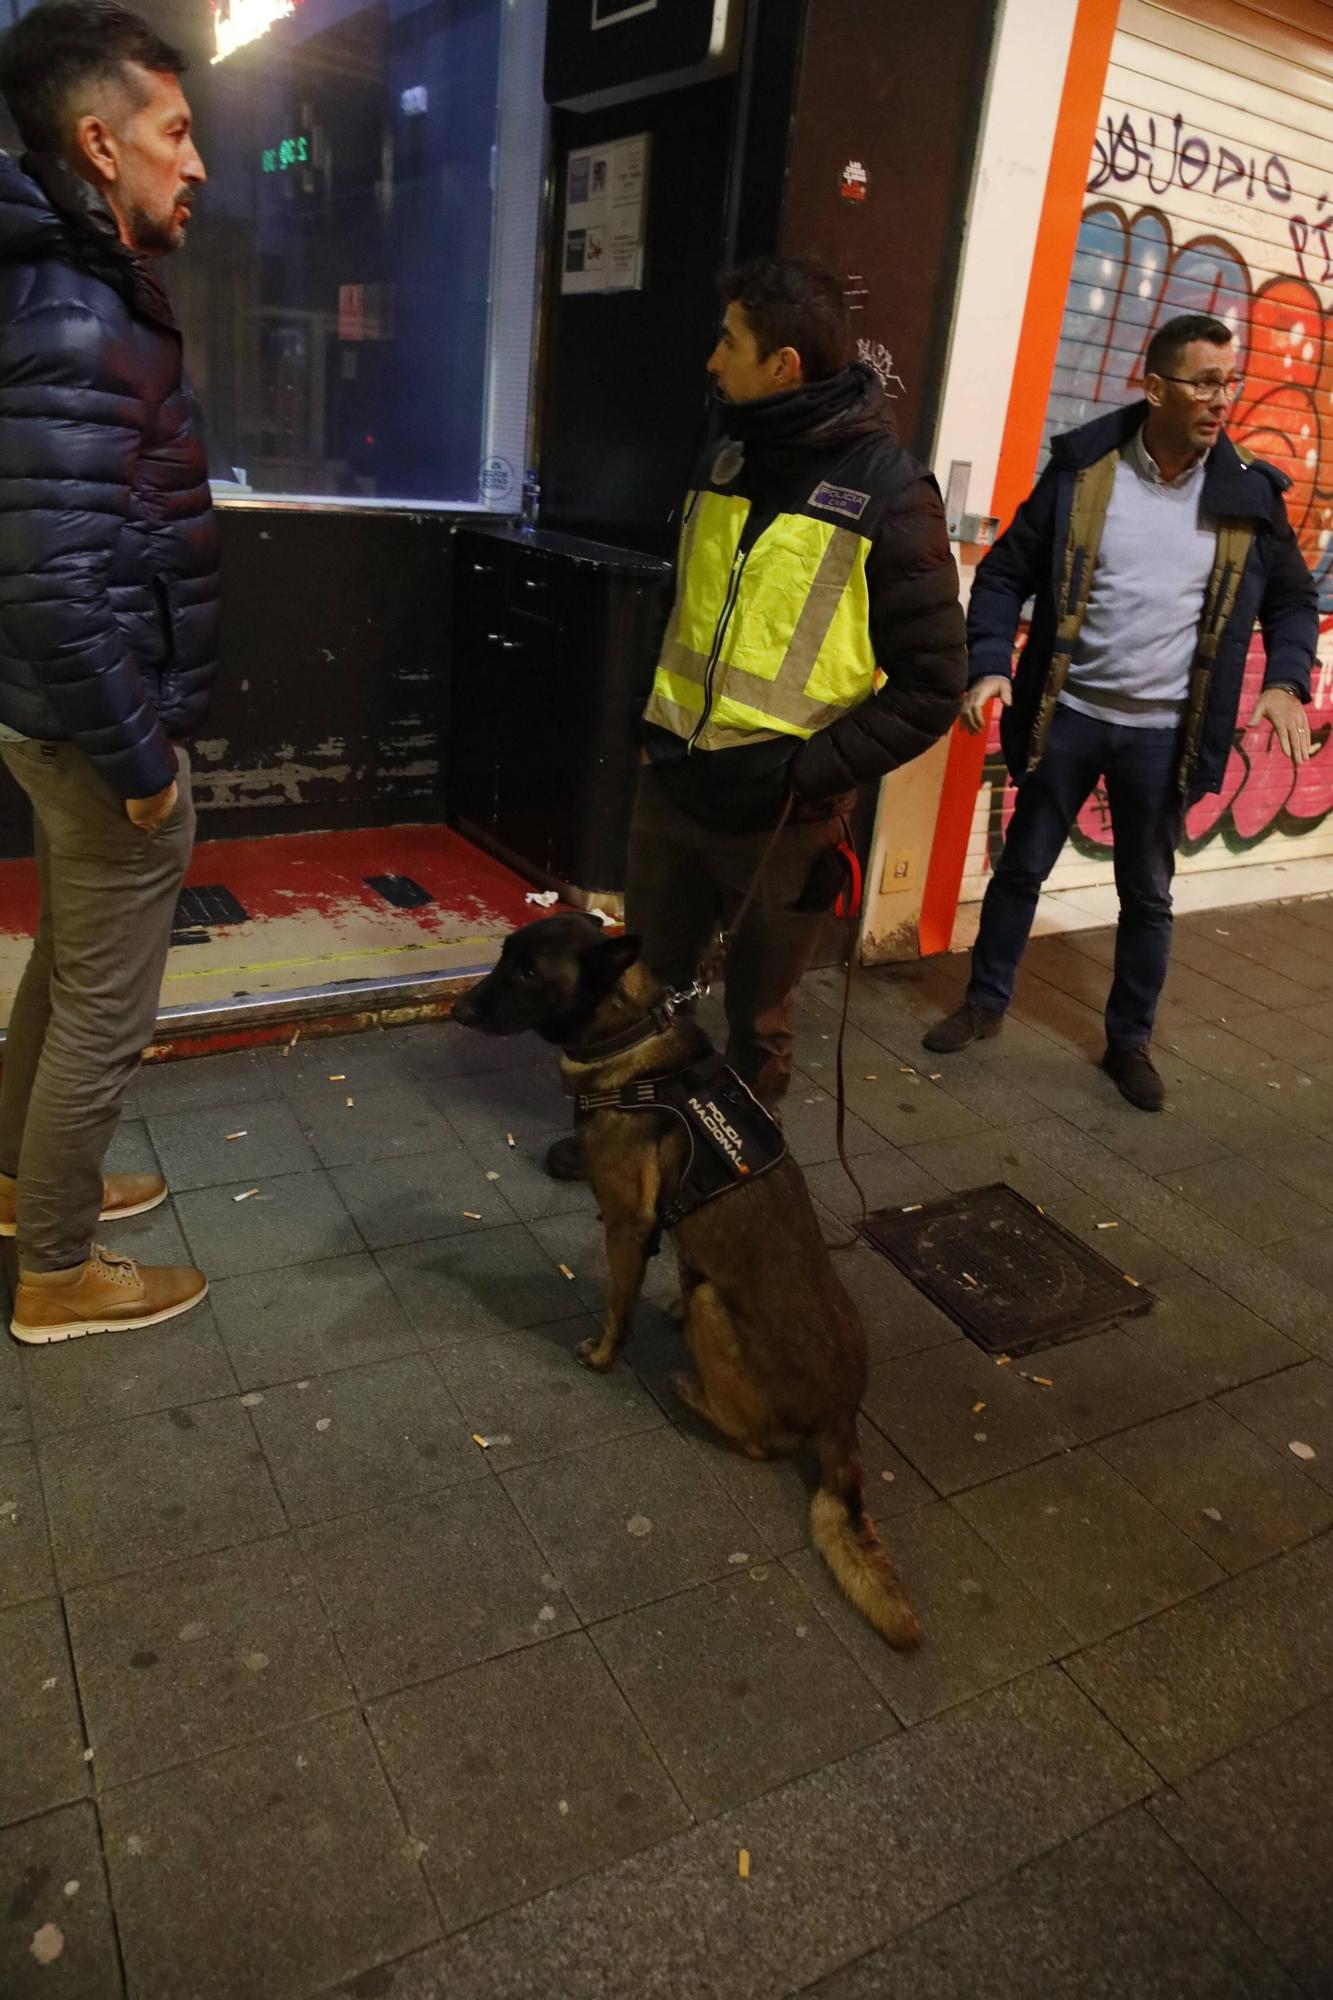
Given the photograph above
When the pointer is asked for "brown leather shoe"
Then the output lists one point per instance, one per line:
(122, 1195)
(101, 1296)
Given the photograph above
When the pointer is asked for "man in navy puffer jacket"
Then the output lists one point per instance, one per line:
(108, 629)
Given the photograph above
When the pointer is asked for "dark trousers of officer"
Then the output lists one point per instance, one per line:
(686, 881)
(1147, 816)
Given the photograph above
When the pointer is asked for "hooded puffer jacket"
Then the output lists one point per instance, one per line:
(108, 545)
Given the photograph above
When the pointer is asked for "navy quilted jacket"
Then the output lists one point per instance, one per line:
(1028, 560)
(108, 543)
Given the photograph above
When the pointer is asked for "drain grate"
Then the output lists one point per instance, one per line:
(400, 890)
(1009, 1276)
(199, 911)
(209, 906)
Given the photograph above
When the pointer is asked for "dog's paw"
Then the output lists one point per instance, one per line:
(595, 1354)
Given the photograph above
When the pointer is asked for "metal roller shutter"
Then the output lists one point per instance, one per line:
(1211, 190)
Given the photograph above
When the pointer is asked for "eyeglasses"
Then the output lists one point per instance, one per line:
(1206, 387)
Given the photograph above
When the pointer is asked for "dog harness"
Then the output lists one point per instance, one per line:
(732, 1139)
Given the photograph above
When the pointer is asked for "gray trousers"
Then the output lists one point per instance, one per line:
(87, 1004)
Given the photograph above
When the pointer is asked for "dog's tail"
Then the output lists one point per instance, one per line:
(845, 1536)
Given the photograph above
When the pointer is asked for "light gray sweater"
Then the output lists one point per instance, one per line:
(1132, 662)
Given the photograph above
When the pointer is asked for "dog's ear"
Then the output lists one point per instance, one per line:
(614, 956)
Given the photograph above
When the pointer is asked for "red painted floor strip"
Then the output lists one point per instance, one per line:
(318, 874)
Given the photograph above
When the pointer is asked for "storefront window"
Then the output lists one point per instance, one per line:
(357, 294)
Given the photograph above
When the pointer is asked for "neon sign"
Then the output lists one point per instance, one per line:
(288, 153)
(240, 22)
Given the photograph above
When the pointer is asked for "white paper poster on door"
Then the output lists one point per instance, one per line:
(605, 199)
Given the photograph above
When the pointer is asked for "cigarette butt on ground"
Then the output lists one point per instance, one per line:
(1004, 1361)
(477, 1438)
(1108, 1225)
(977, 1408)
(1042, 1381)
(913, 1208)
(509, 1138)
(471, 1215)
(236, 1135)
(743, 1864)
(338, 1076)
(565, 1271)
(350, 1102)
(246, 1196)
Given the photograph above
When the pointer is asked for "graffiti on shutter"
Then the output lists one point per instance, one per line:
(1209, 190)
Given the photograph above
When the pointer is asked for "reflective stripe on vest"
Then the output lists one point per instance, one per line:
(772, 643)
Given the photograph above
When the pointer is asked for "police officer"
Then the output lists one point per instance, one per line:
(815, 643)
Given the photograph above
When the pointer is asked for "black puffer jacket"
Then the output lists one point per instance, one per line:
(108, 544)
(840, 431)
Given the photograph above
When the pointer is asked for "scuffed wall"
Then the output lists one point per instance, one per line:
(332, 694)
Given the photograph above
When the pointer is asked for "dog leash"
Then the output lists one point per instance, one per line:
(714, 960)
(847, 907)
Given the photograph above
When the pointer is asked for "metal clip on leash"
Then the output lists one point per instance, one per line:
(685, 996)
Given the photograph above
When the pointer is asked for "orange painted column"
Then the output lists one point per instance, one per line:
(1043, 314)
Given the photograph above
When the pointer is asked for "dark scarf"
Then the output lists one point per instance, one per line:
(94, 239)
(849, 404)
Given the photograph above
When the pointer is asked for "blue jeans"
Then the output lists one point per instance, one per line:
(1147, 816)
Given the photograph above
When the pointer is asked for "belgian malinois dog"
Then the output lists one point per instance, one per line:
(778, 1345)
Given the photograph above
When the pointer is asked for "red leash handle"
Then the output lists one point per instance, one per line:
(848, 904)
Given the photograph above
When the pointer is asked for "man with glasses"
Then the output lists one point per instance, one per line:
(1148, 547)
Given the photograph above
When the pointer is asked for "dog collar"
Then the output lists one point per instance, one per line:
(656, 1022)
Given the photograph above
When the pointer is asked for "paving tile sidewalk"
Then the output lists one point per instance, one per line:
(354, 1641)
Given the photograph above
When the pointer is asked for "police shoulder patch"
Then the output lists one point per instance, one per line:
(839, 500)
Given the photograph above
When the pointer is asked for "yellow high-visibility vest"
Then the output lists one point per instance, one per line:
(771, 642)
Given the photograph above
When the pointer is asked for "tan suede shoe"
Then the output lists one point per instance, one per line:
(122, 1195)
(101, 1296)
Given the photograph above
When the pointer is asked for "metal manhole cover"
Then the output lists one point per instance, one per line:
(1009, 1276)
